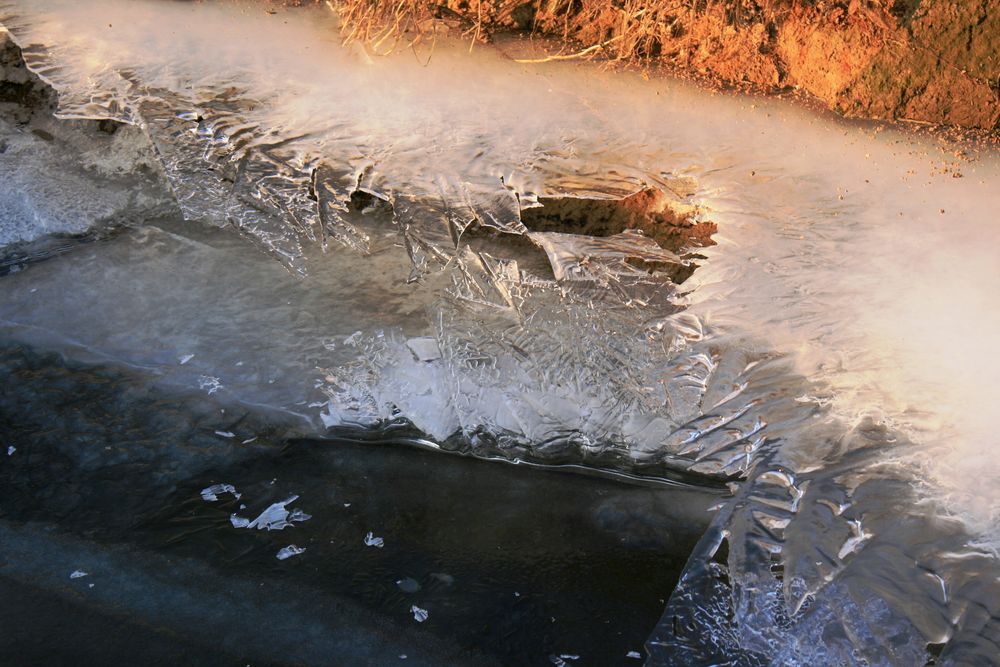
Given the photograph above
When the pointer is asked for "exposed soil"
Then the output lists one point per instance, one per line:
(933, 61)
(655, 214)
(666, 219)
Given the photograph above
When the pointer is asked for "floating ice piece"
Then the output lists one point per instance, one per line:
(444, 578)
(372, 541)
(238, 521)
(289, 551)
(634, 654)
(11, 450)
(419, 615)
(408, 585)
(276, 517)
(353, 339)
(566, 656)
(299, 515)
(249, 440)
(424, 348)
(212, 493)
(209, 383)
(77, 574)
(185, 358)
(225, 434)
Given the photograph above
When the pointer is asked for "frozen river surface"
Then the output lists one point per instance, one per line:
(334, 241)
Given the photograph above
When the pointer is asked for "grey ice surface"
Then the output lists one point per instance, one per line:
(184, 594)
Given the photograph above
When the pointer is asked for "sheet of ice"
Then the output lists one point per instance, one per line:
(833, 351)
(72, 199)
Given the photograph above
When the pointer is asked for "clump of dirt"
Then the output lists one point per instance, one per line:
(670, 223)
(666, 220)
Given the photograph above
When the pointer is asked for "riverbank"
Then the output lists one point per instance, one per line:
(924, 61)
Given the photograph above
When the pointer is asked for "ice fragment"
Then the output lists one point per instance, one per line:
(289, 551)
(209, 384)
(299, 515)
(77, 574)
(424, 348)
(276, 517)
(408, 585)
(419, 615)
(211, 493)
(372, 541)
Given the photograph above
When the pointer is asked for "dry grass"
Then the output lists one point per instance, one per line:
(620, 30)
